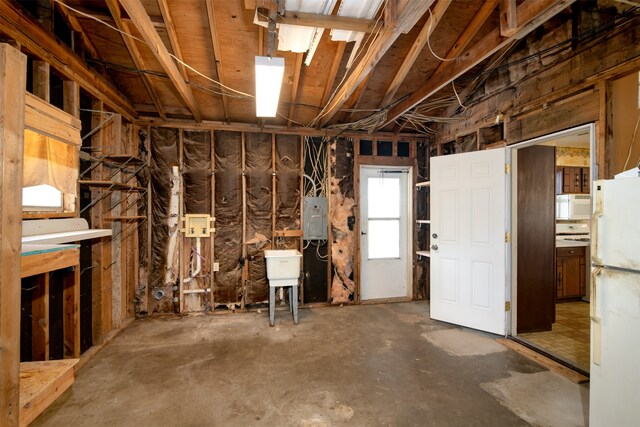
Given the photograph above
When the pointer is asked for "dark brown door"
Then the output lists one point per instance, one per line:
(536, 238)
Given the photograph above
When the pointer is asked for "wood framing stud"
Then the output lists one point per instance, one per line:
(294, 88)
(315, 20)
(141, 20)
(508, 18)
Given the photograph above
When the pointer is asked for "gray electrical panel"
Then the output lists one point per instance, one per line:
(315, 218)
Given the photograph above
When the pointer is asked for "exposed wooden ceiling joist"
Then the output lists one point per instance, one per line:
(77, 27)
(216, 54)
(82, 12)
(333, 72)
(407, 17)
(508, 18)
(416, 49)
(173, 36)
(333, 22)
(141, 20)
(294, 88)
(46, 47)
(531, 14)
(134, 53)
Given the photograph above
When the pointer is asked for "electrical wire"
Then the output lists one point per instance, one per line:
(429, 42)
(633, 139)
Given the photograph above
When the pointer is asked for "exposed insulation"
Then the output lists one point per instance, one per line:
(164, 155)
(228, 203)
(258, 175)
(288, 158)
(196, 181)
(341, 214)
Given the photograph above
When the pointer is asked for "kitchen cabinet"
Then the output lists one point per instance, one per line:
(572, 180)
(570, 272)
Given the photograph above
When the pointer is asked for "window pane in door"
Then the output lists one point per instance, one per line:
(384, 238)
(384, 197)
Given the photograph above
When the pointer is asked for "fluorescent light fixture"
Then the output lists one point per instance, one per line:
(269, 72)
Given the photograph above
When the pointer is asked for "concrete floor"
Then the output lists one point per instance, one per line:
(360, 365)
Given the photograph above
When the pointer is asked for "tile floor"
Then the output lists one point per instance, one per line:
(569, 338)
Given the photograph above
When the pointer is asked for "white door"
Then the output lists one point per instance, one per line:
(468, 225)
(384, 232)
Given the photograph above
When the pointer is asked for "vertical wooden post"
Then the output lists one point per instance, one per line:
(40, 80)
(149, 218)
(71, 310)
(71, 97)
(245, 269)
(213, 215)
(273, 189)
(13, 70)
(356, 213)
(181, 238)
(40, 318)
(301, 201)
(604, 132)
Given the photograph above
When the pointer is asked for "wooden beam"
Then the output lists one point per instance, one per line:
(81, 13)
(134, 53)
(333, 22)
(13, 72)
(75, 25)
(408, 16)
(508, 18)
(46, 119)
(414, 52)
(294, 88)
(333, 72)
(40, 80)
(217, 58)
(71, 98)
(531, 14)
(140, 18)
(46, 47)
(173, 36)
(354, 99)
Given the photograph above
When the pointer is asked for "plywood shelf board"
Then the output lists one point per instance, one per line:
(423, 184)
(123, 218)
(124, 158)
(41, 383)
(66, 237)
(40, 249)
(43, 262)
(118, 186)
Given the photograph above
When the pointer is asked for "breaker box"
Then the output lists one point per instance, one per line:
(315, 218)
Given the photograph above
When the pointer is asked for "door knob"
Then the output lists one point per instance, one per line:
(362, 233)
(434, 235)
(434, 247)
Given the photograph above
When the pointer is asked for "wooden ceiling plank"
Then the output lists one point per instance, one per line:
(508, 18)
(407, 17)
(316, 20)
(294, 88)
(75, 25)
(141, 20)
(46, 47)
(333, 72)
(531, 14)
(173, 36)
(81, 12)
(354, 99)
(414, 52)
(216, 54)
(134, 53)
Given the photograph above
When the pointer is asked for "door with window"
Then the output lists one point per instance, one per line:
(385, 237)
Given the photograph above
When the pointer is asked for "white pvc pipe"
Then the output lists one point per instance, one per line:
(174, 203)
(198, 263)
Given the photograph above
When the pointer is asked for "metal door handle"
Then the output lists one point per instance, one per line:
(434, 247)
(434, 235)
(362, 233)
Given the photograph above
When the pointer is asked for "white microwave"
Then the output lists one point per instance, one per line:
(573, 206)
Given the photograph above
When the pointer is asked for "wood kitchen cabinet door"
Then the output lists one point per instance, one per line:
(570, 272)
(572, 180)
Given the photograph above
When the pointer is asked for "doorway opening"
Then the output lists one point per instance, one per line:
(551, 209)
(385, 232)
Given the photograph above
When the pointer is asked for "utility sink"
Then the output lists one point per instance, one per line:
(283, 266)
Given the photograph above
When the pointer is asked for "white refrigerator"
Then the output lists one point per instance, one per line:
(615, 304)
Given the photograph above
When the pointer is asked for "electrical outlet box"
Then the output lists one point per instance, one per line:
(315, 218)
(198, 225)
(216, 266)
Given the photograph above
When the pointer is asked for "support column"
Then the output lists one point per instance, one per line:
(13, 71)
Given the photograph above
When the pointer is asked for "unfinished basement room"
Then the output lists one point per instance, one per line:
(320, 213)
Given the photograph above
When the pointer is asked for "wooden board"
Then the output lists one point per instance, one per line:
(544, 361)
(31, 265)
(45, 119)
(40, 385)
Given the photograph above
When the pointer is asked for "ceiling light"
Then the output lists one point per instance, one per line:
(269, 72)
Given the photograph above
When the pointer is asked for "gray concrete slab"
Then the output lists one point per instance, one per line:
(359, 365)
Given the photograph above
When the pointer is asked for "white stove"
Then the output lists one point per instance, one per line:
(573, 231)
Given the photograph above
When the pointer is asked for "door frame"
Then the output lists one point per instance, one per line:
(512, 211)
(357, 271)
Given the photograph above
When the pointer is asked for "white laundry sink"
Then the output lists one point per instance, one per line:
(283, 266)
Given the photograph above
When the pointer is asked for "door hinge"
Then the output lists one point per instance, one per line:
(507, 237)
(507, 168)
(507, 306)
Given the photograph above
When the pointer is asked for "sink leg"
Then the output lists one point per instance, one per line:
(294, 303)
(272, 305)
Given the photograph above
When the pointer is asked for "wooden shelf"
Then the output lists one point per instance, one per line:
(424, 253)
(124, 158)
(423, 221)
(41, 383)
(118, 186)
(123, 218)
(423, 184)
